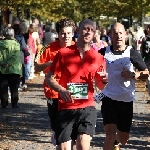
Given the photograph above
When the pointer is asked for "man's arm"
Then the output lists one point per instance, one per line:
(138, 75)
(43, 59)
(42, 66)
(52, 83)
(142, 75)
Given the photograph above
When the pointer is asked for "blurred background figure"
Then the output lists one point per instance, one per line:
(104, 37)
(39, 29)
(36, 39)
(97, 43)
(129, 38)
(75, 37)
(137, 39)
(23, 51)
(49, 35)
(10, 68)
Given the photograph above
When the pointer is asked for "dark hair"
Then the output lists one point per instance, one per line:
(31, 30)
(86, 21)
(8, 32)
(64, 23)
(148, 27)
(16, 28)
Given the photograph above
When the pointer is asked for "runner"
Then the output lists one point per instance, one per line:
(118, 95)
(65, 29)
(76, 117)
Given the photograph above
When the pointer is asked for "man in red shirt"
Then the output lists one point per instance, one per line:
(65, 29)
(78, 65)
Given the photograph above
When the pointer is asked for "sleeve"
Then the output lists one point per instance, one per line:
(137, 61)
(102, 51)
(23, 44)
(56, 65)
(44, 55)
(102, 67)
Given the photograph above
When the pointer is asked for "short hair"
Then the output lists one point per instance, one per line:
(64, 23)
(24, 25)
(17, 28)
(115, 24)
(86, 21)
(8, 32)
(31, 29)
(47, 28)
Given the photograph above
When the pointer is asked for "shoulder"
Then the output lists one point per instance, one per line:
(102, 51)
(68, 49)
(133, 51)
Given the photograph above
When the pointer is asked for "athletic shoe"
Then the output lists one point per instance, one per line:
(116, 145)
(24, 87)
(30, 77)
(53, 139)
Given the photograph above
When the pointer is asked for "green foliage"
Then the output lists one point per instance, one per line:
(79, 9)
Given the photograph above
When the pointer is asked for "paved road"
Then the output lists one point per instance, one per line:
(27, 128)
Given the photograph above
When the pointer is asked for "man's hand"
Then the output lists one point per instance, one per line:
(104, 76)
(66, 95)
(127, 74)
(48, 63)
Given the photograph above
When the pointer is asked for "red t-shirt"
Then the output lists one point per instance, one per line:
(48, 55)
(76, 70)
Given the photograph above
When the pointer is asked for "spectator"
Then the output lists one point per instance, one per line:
(49, 36)
(36, 38)
(104, 37)
(23, 50)
(39, 29)
(137, 39)
(97, 43)
(10, 68)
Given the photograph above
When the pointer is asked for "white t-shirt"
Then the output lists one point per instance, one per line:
(118, 88)
(35, 36)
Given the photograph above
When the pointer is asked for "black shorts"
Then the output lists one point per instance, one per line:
(69, 123)
(52, 112)
(117, 112)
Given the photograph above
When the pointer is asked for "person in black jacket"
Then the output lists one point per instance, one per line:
(23, 50)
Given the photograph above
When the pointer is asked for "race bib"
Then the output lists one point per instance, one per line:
(78, 90)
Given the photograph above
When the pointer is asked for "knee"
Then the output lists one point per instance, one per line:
(110, 138)
(122, 137)
(83, 142)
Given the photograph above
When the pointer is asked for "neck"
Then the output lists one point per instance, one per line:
(119, 48)
(83, 46)
(63, 44)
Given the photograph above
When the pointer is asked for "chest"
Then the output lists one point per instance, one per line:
(117, 62)
(75, 63)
